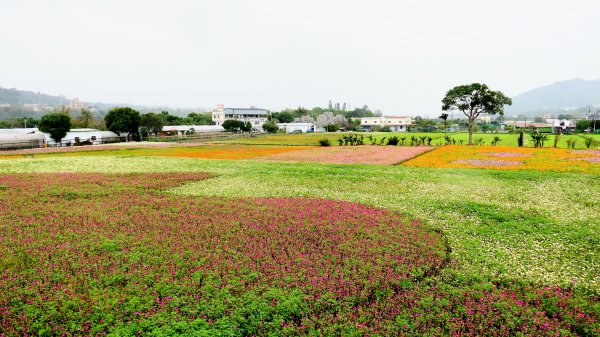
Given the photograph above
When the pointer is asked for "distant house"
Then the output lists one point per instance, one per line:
(484, 118)
(395, 123)
(256, 117)
(525, 124)
(563, 126)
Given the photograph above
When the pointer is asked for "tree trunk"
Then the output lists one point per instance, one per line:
(470, 133)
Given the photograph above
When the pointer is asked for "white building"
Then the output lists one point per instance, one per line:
(484, 118)
(256, 117)
(183, 129)
(297, 127)
(563, 126)
(74, 136)
(93, 136)
(13, 141)
(395, 123)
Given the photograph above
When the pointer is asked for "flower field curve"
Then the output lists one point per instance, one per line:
(94, 254)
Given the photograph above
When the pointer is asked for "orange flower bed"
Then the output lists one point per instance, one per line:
(232, 152)
(510, 158)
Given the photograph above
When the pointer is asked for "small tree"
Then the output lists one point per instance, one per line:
(270, 127)
(473, 100)
(331, 127)
(444, 117)
(152, 122)
(520, 140)
(56, 124)
(124, 120)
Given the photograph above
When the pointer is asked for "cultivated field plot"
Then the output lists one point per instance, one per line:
(214, 151)
(237, 248)
(511, 158)
(437, 138)
(161, 264)
(365, 154)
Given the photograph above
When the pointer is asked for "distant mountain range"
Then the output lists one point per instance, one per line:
(15, 96)
(20, 103)
(572, 95)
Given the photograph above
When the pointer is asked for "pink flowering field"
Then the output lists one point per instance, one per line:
(96, 254)
(365, 154)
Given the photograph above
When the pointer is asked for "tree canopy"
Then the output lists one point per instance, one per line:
(473, 100)
(270, 127)
(124, 120)
(233, 125)
(56, 124)
(152, 122)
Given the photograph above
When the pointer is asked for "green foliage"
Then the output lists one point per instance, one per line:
(152, 122)
(324, 142)
(270, 127)
(56, 124)
(538, 138)
(582, 125)
(351, 139)
(233, 125)
(521, 138)
(196, 118)
(556, 138)
(393, 140)
(331, 127)
(473, 100)
(283, 116)
(124, 120)
(590, 142)
(571, 143)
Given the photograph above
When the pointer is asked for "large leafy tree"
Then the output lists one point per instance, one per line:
(152, 122)
(56, 124)
(124, 120)
(233, 125)
(473, 100)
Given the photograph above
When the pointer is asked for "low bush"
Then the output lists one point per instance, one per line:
(324, 142)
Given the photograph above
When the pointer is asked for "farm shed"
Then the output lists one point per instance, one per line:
(297, 127)
(20, 131)
(92, 136)
(13, 141)
(182, 129)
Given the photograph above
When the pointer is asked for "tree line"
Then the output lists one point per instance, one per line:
(121, 120)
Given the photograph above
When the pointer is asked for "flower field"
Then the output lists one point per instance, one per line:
(230, 152)
(366, 154)
(93, 254)
(506, 139)
(511, 158)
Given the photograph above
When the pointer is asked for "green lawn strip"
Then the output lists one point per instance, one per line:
(536, 226)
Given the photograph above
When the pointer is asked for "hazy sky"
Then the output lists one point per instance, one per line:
(398, 56)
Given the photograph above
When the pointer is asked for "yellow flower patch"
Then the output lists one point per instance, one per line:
(510, 158)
